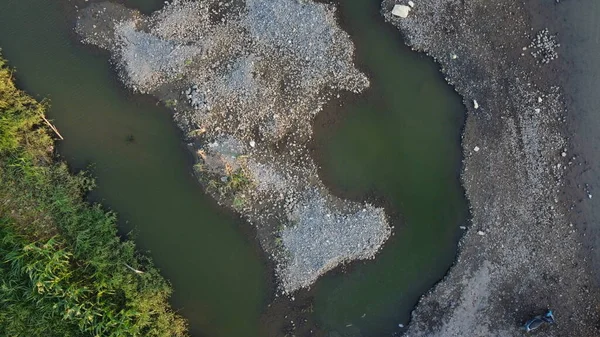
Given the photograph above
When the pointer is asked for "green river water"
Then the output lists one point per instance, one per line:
(398, 145)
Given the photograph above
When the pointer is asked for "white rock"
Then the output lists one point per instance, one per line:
(589, 196)
(540, 100)
(481, 233)
(564, 154)
(401, 11)
(475, 104)
(463, 227)
(537, 111)
(252, 143)
(454, 56)
(411, 4)
(476, 149)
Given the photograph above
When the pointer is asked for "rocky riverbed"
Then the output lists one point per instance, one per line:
(245, 79)
(521, 255)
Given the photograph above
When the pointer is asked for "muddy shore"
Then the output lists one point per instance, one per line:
(521, 255)
(577, 26)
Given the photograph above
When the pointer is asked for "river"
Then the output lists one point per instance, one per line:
(398, 145)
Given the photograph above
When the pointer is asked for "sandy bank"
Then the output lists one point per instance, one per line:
(521, 255)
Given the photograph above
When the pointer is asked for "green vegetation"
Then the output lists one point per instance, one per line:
(238, 202)
(63, 269)
(170, 103)
(238, 180)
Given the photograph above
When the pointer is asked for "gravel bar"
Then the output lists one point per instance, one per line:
(245, 80)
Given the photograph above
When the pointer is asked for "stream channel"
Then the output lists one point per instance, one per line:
(397, 145)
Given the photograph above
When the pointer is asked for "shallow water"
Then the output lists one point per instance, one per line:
(397, 145)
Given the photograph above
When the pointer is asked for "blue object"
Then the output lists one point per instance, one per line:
(538, 321)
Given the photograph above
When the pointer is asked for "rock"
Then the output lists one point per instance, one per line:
(453, 56)
(564, 154)
(476, 149)
(475, 104)
(463, 227)
(481, 233)
(411, 4)
(401, 11)
(252, 143)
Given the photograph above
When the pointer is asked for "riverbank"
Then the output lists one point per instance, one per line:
(521, 255)
(64, 271)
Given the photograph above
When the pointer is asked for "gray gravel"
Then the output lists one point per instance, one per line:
(520, 256)
(318, 226)
(245, 79)
(147, 59)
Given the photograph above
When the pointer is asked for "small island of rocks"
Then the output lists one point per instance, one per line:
(245, 80)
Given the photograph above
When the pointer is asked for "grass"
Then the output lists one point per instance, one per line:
(63, 268)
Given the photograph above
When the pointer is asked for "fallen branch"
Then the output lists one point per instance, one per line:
(133, 269)
(53, 128)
